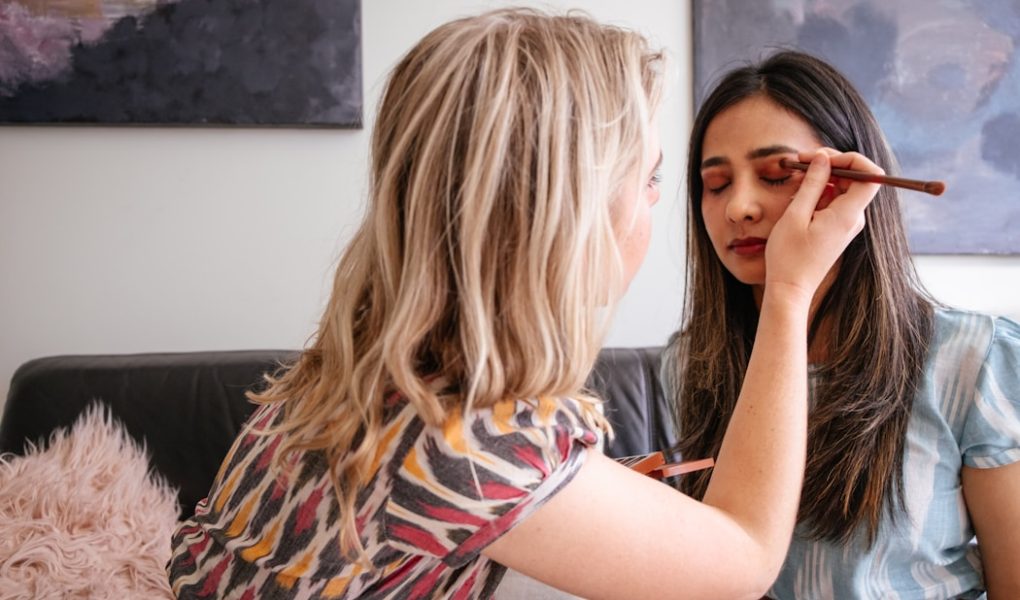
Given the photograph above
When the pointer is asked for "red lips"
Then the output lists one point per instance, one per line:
(749, 246)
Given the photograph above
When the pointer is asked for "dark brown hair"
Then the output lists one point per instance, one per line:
(877, 315)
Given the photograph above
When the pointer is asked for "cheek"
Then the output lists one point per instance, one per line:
(637, 240)
(646, 231)
(711, 215)
(640, 233)
(631, 227)
(775, 200)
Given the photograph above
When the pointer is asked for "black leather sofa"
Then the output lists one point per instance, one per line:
(188, 407)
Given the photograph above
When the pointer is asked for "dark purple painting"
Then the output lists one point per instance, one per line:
(942, 77)
(181, 62)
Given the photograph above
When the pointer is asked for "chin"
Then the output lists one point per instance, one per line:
(747, 277)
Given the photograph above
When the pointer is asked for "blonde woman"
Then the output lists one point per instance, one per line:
(436, 430)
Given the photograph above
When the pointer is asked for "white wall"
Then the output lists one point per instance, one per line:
(144, 239)
(141, 239)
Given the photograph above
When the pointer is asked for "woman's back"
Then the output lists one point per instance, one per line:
(436, 497)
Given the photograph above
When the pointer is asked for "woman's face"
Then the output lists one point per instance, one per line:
(632, 210)
(744, 189)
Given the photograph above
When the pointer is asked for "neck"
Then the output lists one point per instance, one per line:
(818, 349)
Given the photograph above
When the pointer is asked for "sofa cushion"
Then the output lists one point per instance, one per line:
(84, 518)
(188, 407)
(628, 380)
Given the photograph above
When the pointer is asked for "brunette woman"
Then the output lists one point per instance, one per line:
(914, 429)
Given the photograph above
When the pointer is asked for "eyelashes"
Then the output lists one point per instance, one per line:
(769, 181)
(776, 182)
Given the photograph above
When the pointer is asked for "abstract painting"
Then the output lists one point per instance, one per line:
(942, 77)
(181, 62)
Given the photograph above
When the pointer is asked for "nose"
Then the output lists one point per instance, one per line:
(743, 205)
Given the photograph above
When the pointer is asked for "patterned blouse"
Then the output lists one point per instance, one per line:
(437, 498)
(967, 413)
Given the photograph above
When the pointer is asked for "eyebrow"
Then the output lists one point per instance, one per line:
(770, 150)
(714, 161)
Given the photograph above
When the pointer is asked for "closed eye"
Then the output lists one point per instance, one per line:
(776, 182)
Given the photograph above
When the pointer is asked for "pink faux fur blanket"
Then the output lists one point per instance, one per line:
(83, 518)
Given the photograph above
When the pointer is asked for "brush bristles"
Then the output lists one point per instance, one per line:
(935, 188)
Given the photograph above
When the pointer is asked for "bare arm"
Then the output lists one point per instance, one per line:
(747, 477)
(992, 501)
(611, 533)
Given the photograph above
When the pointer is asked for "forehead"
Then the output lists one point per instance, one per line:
(753, 123)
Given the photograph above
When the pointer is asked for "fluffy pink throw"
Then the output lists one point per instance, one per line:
(83, 518)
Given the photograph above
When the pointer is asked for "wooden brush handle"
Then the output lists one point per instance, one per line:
(935, 188)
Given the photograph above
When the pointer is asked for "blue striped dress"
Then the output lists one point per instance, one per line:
(967, 413)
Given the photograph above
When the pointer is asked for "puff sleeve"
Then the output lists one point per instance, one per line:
(991, 433)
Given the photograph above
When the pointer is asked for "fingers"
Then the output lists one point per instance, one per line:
(852, 160)
(821, 220)
(827, 196)
(805, 201)
(849, 197)
(845, 160)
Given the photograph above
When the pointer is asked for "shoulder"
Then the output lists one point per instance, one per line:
(960, 343)
(973, 381)
(537, 434)
(461, 485)
(1004, 348)
(957, 352)
(964, 338)
(518, 443)
(549, 425)
(963, 330)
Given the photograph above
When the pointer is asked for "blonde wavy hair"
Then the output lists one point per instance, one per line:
(487, 256)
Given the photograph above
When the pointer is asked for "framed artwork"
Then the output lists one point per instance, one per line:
(181, 62)
(942, 77)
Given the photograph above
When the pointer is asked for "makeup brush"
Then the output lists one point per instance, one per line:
(935, 188)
